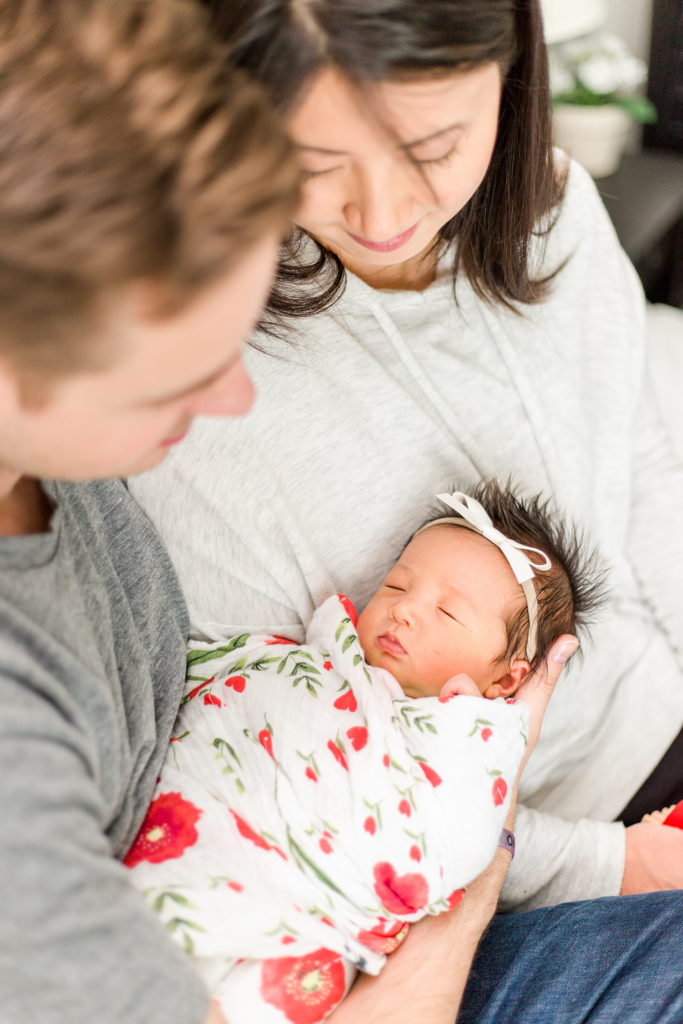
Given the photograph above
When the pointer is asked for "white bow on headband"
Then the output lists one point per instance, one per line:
(475, 517)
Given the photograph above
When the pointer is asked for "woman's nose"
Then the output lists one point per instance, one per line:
(381, 203)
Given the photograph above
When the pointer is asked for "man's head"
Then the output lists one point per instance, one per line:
(452, 603)
(143, 190)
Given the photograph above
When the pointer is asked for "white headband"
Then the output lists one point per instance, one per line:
(473, 516)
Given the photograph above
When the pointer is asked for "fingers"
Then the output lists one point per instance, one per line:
(546, 675)
(460, 685)
(537, 688)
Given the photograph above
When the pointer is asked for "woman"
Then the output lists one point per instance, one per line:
(459, 308)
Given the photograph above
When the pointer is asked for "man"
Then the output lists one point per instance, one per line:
(143, 189)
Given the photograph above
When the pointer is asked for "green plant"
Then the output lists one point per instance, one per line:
(599, 70)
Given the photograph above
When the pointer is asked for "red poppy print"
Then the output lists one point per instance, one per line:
(455, 898)
(235, 886)
(499, 790)
(247, 832)
(358, 736)
(404, 808)
(210, 699)
(310, 774)
(486, 734)
(278, 640)
(237, 683)
(327, 665)
(384, 940)
(305, 988)
(370, 825)
(266, 741)
(430, 774)
(325, 845)
(337, 754)
(347, 701)
(400, 894)
(415, 853)
(166, 832)
(348, 608)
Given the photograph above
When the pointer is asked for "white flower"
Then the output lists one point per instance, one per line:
(599, 73)
(633, 73)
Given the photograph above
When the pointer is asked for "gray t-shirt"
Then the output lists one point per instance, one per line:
(92, 661)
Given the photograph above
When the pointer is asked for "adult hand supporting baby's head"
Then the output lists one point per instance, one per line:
(538, 686)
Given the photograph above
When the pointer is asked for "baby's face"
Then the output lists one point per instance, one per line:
(442, 610)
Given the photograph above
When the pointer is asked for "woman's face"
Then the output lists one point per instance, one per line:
(382, 177)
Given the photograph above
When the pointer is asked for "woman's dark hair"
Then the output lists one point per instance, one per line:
(284, 43)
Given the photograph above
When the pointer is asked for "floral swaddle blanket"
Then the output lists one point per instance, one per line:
(304, 816)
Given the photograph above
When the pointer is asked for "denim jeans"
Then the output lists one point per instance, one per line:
(607, 961)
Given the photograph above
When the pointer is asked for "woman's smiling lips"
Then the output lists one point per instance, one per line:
(389, 643)
(393, 243)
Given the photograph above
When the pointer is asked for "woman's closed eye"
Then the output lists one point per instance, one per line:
(438, 161)
(308, 175)
(393, 586)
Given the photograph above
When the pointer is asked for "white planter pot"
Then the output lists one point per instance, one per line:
(595, 136)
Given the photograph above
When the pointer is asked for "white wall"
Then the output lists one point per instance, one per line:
(631, 20)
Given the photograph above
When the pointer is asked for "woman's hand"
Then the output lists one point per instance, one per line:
(654, 858)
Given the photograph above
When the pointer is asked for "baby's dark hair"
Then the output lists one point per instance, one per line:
(570, 592)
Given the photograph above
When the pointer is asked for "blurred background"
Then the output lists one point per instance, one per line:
(617, 79)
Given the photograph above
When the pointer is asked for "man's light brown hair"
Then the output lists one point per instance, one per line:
(128, 151)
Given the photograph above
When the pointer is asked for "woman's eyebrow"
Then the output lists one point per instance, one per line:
(404, 145)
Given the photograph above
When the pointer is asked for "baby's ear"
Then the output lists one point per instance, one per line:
(508, 683)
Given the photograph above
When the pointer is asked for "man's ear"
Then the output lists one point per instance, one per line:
(508, 683)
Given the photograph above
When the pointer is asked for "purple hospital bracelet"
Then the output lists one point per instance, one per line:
(507, 841)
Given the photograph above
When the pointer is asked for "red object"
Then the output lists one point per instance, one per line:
(348, 608)
(404, 808)
(358, 735)
(305, 988)
(337, 754)
(454, 898)
(248, 832)
(675, 818)
(430, 774)
(384, 939)
(415, 853)
(370, 825)
(400, 894)
(486, 734)
(166, 832)
(266, 741)
(237, 683)
(347, 701)
(310, 774)
(210, 699)
(499, 790)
